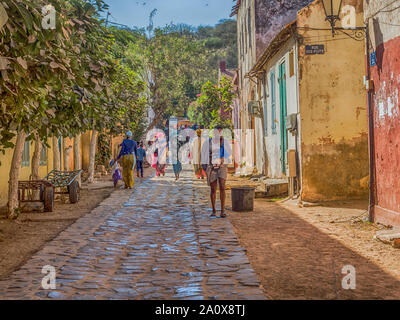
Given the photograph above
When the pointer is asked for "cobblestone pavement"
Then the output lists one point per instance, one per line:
(157, 242)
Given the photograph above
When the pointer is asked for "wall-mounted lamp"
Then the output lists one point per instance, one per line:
(332, 12)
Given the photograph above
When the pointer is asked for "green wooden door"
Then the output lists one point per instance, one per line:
(283, 114)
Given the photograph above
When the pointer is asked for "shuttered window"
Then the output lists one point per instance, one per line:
(26, 154)
(291, 64)
(264, 93)
(43, 155)
(273, 103)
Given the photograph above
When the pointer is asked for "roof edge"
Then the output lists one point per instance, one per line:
(235, 8)
(274, 46)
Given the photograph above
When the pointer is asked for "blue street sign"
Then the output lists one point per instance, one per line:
(373, 59)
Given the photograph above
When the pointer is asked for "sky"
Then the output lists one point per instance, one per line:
(135, 13)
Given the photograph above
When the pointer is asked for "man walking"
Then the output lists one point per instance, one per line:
(141, 154)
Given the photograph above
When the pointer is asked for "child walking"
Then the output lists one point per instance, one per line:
(116, 172)
(141, 154)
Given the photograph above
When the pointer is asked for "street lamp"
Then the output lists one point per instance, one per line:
(332, 11)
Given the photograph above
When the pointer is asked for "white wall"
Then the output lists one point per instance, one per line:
(273, 140)
(246, 53)
(259, 144)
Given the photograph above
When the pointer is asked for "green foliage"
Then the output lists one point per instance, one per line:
(68, 80)
(213, 106)
(221, 41)
(177, 60)
(103, 154)
(84, 76)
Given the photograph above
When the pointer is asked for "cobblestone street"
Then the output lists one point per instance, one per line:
(157, 242)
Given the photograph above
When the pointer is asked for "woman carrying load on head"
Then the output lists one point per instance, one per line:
(127, 158)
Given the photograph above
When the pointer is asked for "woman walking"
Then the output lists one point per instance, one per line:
(160, 167)
(196, 155)
(158, 163)
(178, 166)
(127, 158)
(217, 170)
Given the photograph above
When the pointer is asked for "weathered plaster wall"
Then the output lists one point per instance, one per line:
(259, 145)
(246, 45)
(271, 17)
(85, 151)
(385, 40)
(273, 140)
(332, 109)
(246, 54)
(25, 172)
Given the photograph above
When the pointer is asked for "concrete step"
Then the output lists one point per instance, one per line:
(389, 236)
(274, 187)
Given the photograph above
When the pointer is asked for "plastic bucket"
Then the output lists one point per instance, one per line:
(243, 199)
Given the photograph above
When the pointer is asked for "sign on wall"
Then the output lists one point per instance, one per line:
(373, 59)
(315, 49)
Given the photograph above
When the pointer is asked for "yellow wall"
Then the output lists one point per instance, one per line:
(115, 147)
(85, 151)
(25, 172)
(333, 109)
(68, 143)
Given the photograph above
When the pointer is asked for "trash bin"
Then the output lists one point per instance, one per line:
(243, 199)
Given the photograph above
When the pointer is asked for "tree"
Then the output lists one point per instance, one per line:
(54, 82)
(213, 105)
(172, 63)
(32, 60)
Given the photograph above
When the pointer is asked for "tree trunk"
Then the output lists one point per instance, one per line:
(36, 164)
(77, 156)
(13, 202)
(154, 122)
(92, 156)
(56, 155)
(66, 155)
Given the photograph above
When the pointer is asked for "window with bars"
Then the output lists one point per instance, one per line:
(43, 155)
(26, 154)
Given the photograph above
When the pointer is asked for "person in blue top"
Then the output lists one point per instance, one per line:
(127, 157)
(141, 154)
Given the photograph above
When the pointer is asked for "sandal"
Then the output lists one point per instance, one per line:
(223, 215)
(214, 214)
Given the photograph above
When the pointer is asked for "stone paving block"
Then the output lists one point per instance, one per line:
(159, 245)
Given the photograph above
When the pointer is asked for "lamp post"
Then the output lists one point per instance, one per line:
(332, 11)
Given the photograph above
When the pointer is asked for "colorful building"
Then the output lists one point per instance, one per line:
(307, 85)
(259, 22)
(64, 145)
(383, 20)
(277, 76)
(46, 165)
(333, 110)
